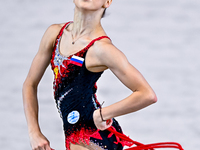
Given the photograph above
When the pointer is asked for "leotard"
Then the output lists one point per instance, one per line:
(74, 93)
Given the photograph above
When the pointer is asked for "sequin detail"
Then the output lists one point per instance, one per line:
(74, 93)
(60, 101)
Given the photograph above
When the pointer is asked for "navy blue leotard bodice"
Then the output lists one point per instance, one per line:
(74, 92)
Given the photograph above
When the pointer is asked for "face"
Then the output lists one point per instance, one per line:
(92, 4)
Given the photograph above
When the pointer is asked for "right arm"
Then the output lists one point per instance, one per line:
(37, 69)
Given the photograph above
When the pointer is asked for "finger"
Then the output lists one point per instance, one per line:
(47, 147)
(109, 122)
(105, 125)
(41, 148)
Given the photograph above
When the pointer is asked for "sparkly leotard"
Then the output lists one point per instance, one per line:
(74, 92)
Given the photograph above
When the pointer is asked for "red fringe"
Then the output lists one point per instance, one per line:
(84, 136)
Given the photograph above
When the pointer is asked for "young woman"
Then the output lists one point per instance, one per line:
(79, 52)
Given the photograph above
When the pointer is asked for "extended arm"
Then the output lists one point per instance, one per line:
(38, 67)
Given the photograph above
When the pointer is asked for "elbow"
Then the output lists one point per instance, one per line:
(28, 87)
(24, 90)
(29, 84)
(24, 87)
(152, 98)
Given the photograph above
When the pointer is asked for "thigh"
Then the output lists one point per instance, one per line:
(82, 146)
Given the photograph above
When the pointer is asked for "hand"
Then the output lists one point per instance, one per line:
(39, 142)
(101, 125)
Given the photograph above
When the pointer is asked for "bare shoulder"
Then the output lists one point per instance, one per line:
(54, 28)
(106, 51)
(49, 38)
(51, 33)
(104, 55)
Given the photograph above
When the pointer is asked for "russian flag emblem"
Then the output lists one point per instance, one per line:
(77, 60)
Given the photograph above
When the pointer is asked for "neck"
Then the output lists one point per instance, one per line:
(85, 22)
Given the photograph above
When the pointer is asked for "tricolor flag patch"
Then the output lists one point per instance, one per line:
(77, 60)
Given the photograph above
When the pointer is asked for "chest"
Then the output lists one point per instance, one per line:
(66, 48)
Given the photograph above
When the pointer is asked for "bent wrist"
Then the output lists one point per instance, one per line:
(106, 115)
(101, 115)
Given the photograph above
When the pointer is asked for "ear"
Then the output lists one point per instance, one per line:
(107, 3)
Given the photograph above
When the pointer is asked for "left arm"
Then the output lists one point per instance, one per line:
(142, 96)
